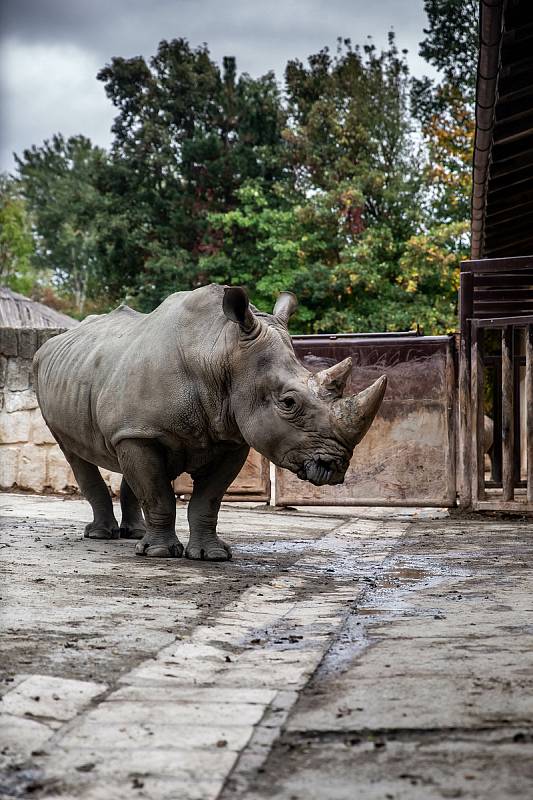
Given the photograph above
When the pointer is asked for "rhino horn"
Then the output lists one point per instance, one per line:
(356, 414)
(329, 383)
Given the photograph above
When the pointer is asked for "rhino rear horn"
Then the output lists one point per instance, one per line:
(286, 305)
(329, 383)
(356, 414)
(236, 308)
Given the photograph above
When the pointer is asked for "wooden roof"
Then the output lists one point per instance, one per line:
(502, 191)
(17, 311)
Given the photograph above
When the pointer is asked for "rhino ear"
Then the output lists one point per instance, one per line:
(286, 305)
(236, 307)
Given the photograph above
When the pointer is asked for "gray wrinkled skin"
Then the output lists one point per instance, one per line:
(190, 388)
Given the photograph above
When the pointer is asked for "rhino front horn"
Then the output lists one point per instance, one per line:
(357, 413)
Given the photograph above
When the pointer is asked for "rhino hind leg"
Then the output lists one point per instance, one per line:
(93, 488)
(210, 485)
(132, 524)
(143, 466)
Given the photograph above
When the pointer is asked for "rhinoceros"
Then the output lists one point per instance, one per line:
(190, 388)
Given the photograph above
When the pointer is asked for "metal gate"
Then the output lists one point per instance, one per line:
(407, 458)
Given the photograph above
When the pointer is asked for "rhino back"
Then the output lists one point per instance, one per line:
(127, 374)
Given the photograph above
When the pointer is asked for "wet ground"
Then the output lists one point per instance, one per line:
(342, 654)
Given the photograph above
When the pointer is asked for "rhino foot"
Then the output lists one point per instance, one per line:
(102, 530)
(208, 548)
(132, 530)
(158, 546)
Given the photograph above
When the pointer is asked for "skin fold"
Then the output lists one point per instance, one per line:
(190, 388)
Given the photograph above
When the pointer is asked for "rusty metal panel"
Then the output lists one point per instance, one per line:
(252, 482)
(408, 456)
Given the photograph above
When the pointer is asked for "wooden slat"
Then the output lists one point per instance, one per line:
(491, 322)
(497, 264)
(520, 241)
(529, 411)
(508, 280)
(497, 424)
(499, 505)
(465, 444)
(507, 414)
(497, 294)
(512, 165)
(477, 424)
(504, 309)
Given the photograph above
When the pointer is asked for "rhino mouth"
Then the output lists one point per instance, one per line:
(320, 471)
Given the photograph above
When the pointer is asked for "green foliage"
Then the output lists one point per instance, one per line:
(445, 108)
(58, 182)
(328, 190)
(451, 43)
(187, 136)
(16, 242)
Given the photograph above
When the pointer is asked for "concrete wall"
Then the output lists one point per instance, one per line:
(30, 459)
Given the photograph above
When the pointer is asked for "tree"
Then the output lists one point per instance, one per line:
(58, 181)
(187, 136)
(352, 179)
(16, 241)
(445, 108)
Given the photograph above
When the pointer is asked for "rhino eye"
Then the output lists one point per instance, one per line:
(288, 403)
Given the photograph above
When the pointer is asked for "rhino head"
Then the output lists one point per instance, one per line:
(298, 420)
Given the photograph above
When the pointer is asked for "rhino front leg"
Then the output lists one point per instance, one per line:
(144, 469)
(132, 525)
(93, 488)
(210, 485)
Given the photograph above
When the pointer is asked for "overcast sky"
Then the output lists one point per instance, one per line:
(51, 50)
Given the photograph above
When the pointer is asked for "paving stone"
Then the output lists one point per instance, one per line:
(50, 698)
(19, 736)
(123, 735)
(184, 713)
(261, 697)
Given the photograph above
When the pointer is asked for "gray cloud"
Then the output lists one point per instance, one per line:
(51, 50)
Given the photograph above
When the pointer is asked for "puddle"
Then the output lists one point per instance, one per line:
(408, 573)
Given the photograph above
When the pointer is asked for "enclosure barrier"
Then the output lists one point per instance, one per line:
(496, 384)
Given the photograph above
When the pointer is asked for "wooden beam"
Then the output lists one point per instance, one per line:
(500, 169)
(498, 264)
(477, 416)
(524, 243)
(502, 322)
(507, 280)
(507, 414)
(529, 411)
(499, 293)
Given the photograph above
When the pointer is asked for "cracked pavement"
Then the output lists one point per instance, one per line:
(370, 653)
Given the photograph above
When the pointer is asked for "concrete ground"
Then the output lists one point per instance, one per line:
(343, 654)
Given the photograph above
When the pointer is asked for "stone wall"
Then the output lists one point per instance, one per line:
(30, 459)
